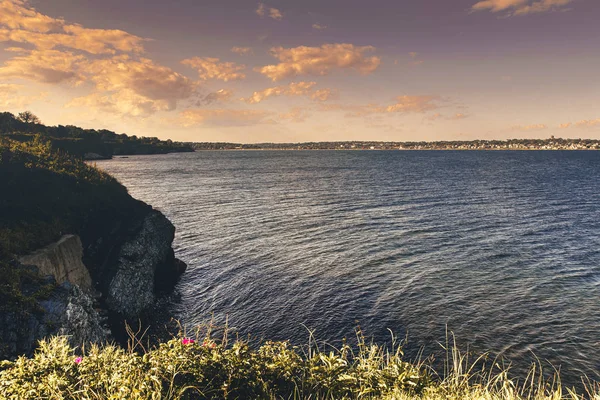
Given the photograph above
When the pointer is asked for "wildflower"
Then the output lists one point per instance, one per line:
(78, 360)
(187, 341)
(209, 343)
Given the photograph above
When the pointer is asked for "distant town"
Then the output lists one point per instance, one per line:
(510, 144)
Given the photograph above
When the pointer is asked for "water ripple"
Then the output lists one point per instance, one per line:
(500, 247)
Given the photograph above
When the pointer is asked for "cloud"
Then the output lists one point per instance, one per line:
(133, 87)
(525, 128)
(413, 104)
(319, 27)
(455, 117)
(15, 15)
(319, 61)
(211, 68)
(273, 13)
(402, 105)
(10, 97)
(123, 102)
(122, 80)
(296, 114)
(520, 7)
(22, 24)
(221, 95)
(323, 94)
(415, 58)
(586, 123)
(243, 51)
(222, 117)
(45, 66)
(353, 110)
(293, 89)
(141, 77)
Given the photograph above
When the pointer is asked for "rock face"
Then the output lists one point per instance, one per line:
(67, 310)
(140, 260)
(62, 260)
(127, 260)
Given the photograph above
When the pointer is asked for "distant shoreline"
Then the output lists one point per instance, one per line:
(551, 144)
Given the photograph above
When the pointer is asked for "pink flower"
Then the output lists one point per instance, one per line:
(187, 341)
(78, 360)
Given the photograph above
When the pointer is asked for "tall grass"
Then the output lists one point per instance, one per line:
(203, 367)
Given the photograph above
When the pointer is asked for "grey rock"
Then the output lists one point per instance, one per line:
(140, 258)
(67, 311)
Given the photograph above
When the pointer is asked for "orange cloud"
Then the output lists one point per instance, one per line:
(15, 15)
(296, 114)
(222, 95)
(123, 102)
(10, 96)
(525, 128)
(144, 78)
(319, 27)
(520, 7)
(586, 123)
(211, 68)
(273, 13)
(22, 24)
(46, 66)
(123, 83)
(454, 117)
(319, 61)
(222, 117)
(403, 105)
(293, 89)
(243, 51)
(413, 104)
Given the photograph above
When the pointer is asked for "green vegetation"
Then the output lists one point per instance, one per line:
(206, 368)
(79, 142)
(45, 193)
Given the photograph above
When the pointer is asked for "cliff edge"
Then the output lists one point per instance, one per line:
(78, 255)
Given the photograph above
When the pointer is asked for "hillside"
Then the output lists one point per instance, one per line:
(47, 194)
(80, 142)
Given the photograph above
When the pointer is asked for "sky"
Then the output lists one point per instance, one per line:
(313, 70)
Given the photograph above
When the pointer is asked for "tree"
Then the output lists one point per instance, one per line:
(29, 118)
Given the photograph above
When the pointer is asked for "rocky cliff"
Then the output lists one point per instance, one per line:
(131, 260)
(115, 258)
(63, 261)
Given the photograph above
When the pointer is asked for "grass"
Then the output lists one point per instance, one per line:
(44, 194)
(203, 367)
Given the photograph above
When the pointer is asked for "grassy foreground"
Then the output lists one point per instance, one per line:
(204, 368)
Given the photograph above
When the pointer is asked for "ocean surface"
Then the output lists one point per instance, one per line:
(500, 248)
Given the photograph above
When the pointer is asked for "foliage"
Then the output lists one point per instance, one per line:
(45, 193)
(78, 141)
(28, 117)
(206, 368)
